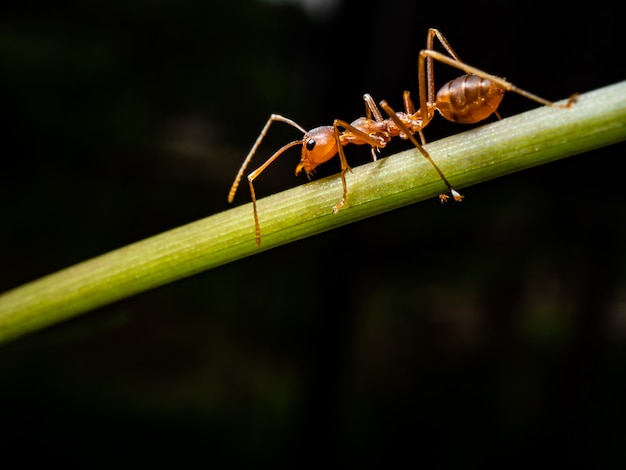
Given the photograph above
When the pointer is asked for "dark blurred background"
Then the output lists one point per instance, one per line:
(489, 332)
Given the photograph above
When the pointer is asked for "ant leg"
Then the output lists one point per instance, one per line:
(409, 109)
(372, 109)
(344, 167)
(272, 118)
(363, 138)
(428, 78)
(394, 117)
(458, 63)
(468, 69)
(432, 33)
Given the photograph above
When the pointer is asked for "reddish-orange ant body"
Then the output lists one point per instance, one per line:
(468, 99)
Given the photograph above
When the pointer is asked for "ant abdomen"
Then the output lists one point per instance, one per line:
(469, 99)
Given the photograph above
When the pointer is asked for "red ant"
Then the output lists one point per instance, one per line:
(468, 99)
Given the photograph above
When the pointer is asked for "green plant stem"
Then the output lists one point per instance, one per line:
(539, 136)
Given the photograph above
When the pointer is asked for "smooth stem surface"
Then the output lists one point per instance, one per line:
(539, 136)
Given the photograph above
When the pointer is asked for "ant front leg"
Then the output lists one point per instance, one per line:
(362, 131)
(344, 165)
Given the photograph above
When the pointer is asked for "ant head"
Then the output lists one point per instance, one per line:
(318, 145)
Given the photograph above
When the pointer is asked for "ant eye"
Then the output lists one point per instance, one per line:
(310, 144)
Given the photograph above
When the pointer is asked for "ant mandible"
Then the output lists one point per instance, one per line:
(468, 99)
